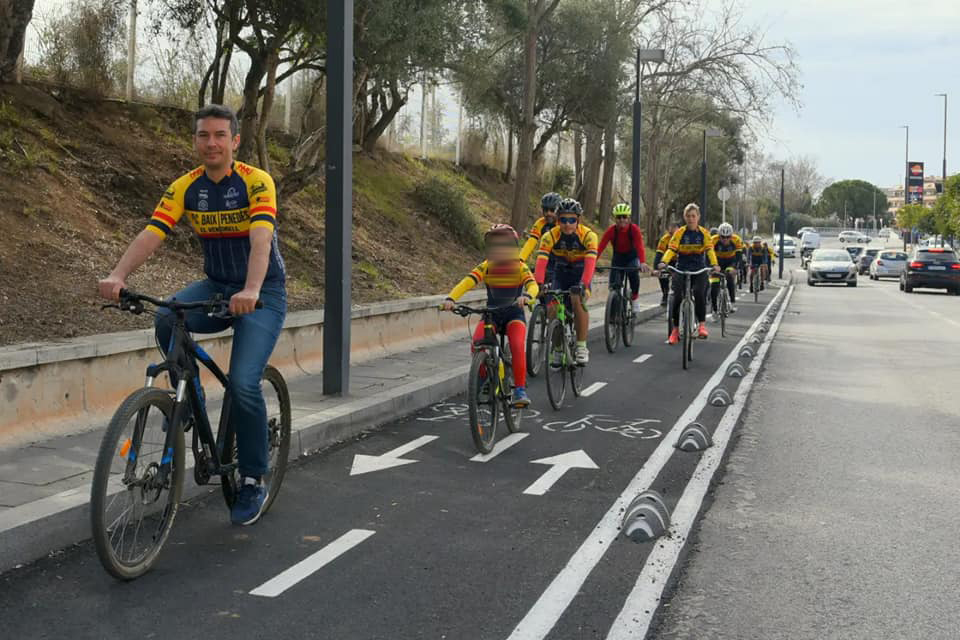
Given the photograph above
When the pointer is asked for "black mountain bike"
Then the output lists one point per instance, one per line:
(536, 338)
(561, 362)
(619, 322)
(138, 478)
(490, 382)
(688, 320)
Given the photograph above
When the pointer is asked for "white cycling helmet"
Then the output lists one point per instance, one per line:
(757, 239)
(726, 230)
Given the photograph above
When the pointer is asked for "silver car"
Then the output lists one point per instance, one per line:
(888, 264)
(834, 266)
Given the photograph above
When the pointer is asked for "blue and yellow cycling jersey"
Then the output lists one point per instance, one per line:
(505, 281)
(222, 214)
(728, 254)
(568, 250)
(693, 249)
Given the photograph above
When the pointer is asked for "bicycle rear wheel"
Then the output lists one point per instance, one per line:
(556, 364)
(724, 304)
(536, 334)
(277, 399)
(611, 321)
(482, 400)
(129, 504)
(755, 283)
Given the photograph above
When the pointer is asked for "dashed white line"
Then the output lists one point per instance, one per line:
(642, 358)
(500, 447)
(592, 389)
(311, 564)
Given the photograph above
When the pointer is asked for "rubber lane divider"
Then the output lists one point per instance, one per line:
(633, 621)
(541, 618)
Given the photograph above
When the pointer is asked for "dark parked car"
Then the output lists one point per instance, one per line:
(855, 252)
(866, 258)
(932, 268)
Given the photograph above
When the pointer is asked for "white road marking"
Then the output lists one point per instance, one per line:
(500, 447)
(559, 465)
(542, 617)
(365, 464)
(592, 389)
(634, 619)
(311, 564)
(643, 358)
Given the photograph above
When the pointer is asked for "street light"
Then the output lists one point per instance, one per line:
(783, 218)
(906, 176)
(944, 96)
(710, 132)
(655, 56)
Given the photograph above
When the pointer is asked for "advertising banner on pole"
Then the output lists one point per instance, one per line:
(914, 183)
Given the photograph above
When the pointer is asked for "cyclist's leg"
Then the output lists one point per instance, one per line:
(634, 277)
(731, 285)
(677, 298)
(516, 331)
(254, 336)
(699, 286)
(581, 315)
(714, 293)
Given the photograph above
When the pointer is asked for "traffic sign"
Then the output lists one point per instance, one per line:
(723, 194)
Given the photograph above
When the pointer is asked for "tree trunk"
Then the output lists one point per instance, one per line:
(591, 178)
(609, 167)
(578, 161)
(509, 170)
(271, 89)
(388, 114)
(15, 15)
(654, 224)
(248, 113)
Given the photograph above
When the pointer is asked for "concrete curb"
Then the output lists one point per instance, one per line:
(43, 527)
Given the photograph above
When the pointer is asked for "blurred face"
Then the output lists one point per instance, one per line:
(550, 215)
(215, 143)
(692, 218)
(501, 249)
(568, 222)
(623, 221)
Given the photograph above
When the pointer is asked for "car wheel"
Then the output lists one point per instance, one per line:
(852, 284)
(809, 282)
(907, 288)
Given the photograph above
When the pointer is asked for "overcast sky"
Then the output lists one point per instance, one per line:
(869, 66)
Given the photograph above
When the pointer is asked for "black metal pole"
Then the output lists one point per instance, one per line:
(635, 168)
(703, 181)
(783, 221)
(339, 198)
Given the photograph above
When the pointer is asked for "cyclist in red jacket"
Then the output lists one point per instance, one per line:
(628, 251)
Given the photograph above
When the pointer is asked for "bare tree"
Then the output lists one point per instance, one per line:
(15, 15)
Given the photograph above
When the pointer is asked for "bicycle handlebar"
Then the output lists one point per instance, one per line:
(612, 268)
(464, 310)
(133, 302)
(670, 267)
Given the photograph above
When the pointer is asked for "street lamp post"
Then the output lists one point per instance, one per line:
(710, 132)
(643, 55)
(906, 177)
(944, 96)
(783, 218)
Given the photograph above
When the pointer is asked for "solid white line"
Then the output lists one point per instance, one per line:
(592, 389)
(500, 447)
(312, 563)
(643, 358)
(544, 614)
(641, 605)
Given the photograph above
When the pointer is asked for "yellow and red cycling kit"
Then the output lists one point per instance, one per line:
(692, 248)
(662, 245)
(574, 256)
(506, 281)
(728, 254)
(539, 228)
(758, 255)
(222, 214)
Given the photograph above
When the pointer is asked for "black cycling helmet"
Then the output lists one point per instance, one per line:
(550, 201)
(569, 205)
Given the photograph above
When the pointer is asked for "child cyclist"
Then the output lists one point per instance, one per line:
(628, 251)
(510, 286)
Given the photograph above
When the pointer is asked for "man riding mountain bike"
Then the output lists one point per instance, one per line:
(573, 246)
(510, 286)
(729, 249)
(232, 206)
(628, 251)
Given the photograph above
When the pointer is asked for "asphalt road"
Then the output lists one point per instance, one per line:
(443, 547)
(837, 515)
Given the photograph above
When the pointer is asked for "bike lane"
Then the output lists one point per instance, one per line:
(440, 547)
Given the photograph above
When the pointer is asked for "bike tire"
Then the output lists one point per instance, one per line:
(556, 375)
(611, 322)
(484, 411)
(629, 324)
(512, 416)
(278, 443)
(535, 340)
(756, 285)
(686, 326)
(669, 313)
(137, 404)
(724, 310)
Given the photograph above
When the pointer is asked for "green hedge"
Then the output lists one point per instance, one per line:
(447, 201)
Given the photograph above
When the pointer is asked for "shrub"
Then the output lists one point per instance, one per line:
(447, 202)
(561, 180)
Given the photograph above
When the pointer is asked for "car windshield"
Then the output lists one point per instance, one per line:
(831, 256)
(936, 256)
(893, 255)
(872, 252)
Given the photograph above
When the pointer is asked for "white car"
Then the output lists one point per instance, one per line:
(888, 264)
(789, 246)
(832, 266)
(884, 233)
(853, 236)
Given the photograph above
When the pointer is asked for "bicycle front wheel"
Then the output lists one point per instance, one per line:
(482, 400)
(629, 322)
(536, 333)
(724, 310)
(755, 281)
(133, 504)
(512, 416)
(686, 331)
(557, 361)
(276, 397)
(611, 321)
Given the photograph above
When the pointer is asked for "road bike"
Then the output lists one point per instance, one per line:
(723, 299)
(688, 322)
(138, 477)
(489, 395)
(561, 347)
(619, 321)
(755, 277)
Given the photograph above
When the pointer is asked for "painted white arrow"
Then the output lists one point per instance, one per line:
(559, 465)
(366, 464)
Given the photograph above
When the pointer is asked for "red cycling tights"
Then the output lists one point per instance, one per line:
(517, 335)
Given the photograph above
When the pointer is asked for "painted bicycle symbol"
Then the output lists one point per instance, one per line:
(445, 411)
(634, 429)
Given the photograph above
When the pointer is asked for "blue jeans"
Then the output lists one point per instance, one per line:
(254, 336)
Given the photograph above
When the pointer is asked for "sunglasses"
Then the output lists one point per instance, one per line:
(568, 219)
(501, 245)
(620, 218)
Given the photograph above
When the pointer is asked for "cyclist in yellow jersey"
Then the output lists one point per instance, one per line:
(510, 286)
(771, 259)
(729, 249)
(758, 257)
(548, 205)
(662, 247)
(574, 248)
(232, 206)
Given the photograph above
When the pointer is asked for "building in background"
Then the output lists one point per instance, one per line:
(932, 187)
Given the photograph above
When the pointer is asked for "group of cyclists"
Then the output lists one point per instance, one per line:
(566, 253)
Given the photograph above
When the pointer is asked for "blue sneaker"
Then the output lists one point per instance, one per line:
(249, 505)
(520, 398)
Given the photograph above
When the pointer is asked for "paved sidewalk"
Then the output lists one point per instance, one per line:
(44, 486)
